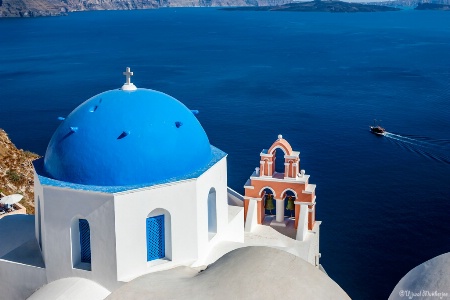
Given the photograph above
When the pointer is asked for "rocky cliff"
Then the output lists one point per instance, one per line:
(16, 171)
(35, 8)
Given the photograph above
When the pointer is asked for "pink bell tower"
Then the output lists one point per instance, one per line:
(289, 189)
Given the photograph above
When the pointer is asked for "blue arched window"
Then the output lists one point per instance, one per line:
(85, 240)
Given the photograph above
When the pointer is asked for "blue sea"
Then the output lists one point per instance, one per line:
(317, 78)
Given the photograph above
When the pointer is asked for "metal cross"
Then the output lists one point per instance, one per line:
(128, 75)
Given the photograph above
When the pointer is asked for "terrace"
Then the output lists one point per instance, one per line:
(11, 209)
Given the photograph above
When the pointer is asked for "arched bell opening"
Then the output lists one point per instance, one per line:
(268, 197)
(278, 160)
(289, 208)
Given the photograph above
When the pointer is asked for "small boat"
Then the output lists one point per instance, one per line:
(377, 129)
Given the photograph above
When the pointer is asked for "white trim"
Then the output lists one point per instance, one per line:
(304, 203)
(298, 180)
(232, 192)
(156, 186)
(251, 198)
(267, 187)
(248, 185)
(310, 188)
(277, 147)
(289, 189)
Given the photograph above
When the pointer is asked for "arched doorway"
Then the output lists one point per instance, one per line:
(158, 235)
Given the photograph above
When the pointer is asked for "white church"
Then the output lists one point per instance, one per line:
(130, 187)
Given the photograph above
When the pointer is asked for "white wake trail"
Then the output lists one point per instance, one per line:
(429, 150)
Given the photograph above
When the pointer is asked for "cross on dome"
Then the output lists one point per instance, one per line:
(128, 75)
(128, 86)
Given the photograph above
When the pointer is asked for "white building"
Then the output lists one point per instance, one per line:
(129, 185)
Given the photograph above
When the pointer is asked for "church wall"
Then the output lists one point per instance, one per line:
(39, 209)
(215, 177)
(61, 209)
(19, 281)
(313, 251)
(131, 211)
(316, 245)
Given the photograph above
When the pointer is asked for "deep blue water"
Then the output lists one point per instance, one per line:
(317, 78)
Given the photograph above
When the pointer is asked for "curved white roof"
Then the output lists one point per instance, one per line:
(421, 282)
(72, 288)
(246, 273)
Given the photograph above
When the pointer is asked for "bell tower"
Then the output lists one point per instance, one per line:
(294, 196)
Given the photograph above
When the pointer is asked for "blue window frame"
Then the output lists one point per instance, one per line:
(155, 238)
(85, 241)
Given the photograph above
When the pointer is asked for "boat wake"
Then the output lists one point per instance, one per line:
(434, 149)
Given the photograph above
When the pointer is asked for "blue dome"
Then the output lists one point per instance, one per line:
(122, 138)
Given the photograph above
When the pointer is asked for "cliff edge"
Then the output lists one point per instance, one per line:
(16, 171)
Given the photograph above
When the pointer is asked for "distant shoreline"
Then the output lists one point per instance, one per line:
(320, 6)
(432, 6)
(47, 8)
